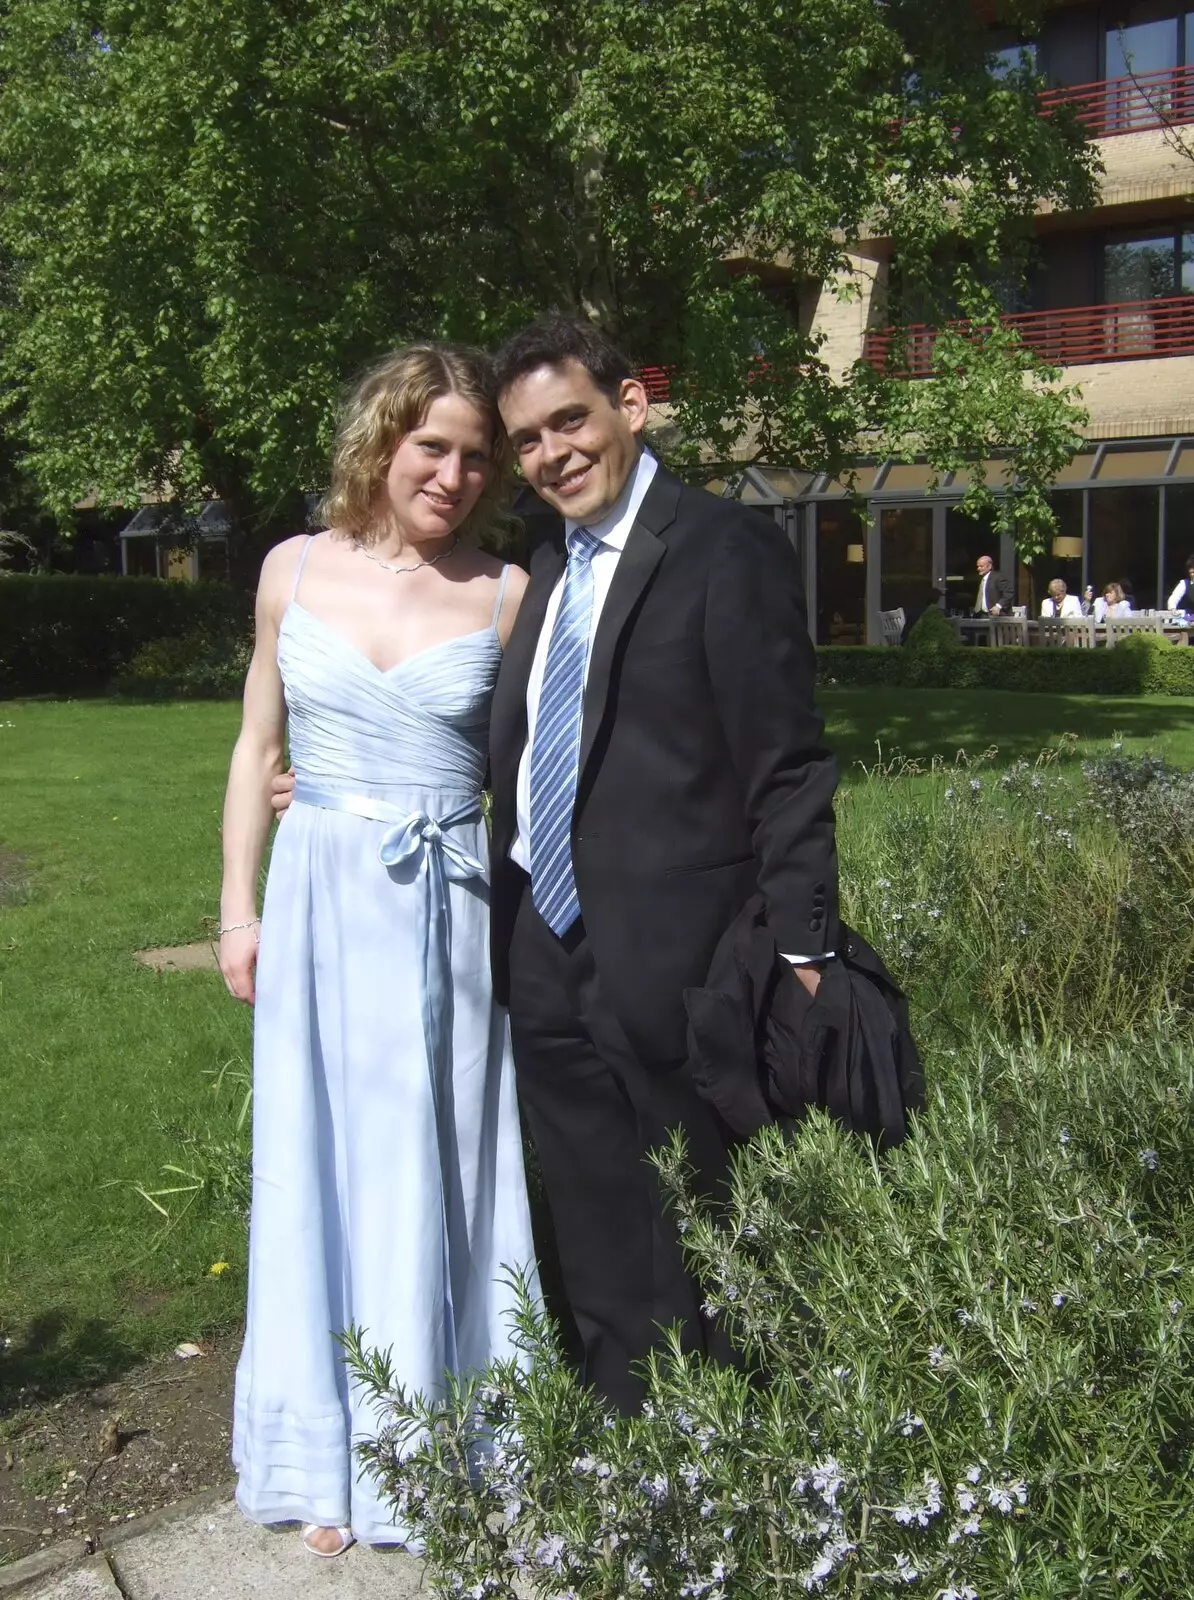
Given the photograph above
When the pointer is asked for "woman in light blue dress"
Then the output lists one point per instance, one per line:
(388, 1188)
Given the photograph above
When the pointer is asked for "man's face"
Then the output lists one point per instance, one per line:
(984, 565)
(575, 445)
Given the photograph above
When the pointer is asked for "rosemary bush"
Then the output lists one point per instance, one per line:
(1053, 897)
(969, 1371)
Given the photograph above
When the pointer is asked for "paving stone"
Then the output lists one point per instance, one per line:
(91, 1581)
(217, 1555)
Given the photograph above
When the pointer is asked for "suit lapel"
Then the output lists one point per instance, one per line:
(643, 552)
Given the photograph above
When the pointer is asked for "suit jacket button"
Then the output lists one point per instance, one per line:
(815, 924)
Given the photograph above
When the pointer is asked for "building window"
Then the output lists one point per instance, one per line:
(1147, 264)
(1061, 559)
(841, 576)
(1123, 543)
(906, 548)
(1137, 45)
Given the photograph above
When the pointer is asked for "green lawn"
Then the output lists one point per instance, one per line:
(105, 1067)
(928, 722)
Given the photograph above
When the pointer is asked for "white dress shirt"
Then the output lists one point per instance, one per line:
(981, 604)
(613, 530)
(1179, 594)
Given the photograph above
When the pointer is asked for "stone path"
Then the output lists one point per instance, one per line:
(212, 1553)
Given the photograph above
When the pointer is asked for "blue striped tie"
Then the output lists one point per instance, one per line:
(555, 746)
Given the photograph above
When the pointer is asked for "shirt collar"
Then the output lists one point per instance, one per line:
(614, 528)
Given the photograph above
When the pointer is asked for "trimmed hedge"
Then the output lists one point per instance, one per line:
(73, 635)
(1143, 664)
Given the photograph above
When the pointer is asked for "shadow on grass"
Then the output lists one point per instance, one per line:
(922, 723)
(58, 1352)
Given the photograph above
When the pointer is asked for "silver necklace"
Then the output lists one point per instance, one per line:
(389, 565)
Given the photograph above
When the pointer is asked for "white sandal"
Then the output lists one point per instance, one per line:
(346, 1539)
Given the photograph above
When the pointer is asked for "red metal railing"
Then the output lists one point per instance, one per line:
(1128, 331)
(1128, 105)
(657, 381)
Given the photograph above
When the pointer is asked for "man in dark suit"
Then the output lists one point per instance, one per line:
(994, 598)
(656, 759)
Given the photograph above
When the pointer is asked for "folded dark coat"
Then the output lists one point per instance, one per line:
(762, 1049)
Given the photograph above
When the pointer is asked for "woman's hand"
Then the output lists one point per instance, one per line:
(238, 963)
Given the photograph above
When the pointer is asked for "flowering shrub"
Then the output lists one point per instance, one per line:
(968, 1371)
(1051, 896)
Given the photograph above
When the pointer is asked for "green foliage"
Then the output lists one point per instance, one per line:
(978, 1364)
(1143, 664)
(1043, 898)
(213, 212)
(968, 1366)
(932, 633)
(198, 665)
(72, 635)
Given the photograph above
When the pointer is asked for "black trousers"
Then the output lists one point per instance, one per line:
(594, 1109)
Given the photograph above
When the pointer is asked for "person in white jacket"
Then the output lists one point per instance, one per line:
(1182, 598)
(1059, 603)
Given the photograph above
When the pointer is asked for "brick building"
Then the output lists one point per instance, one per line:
(1111, 303)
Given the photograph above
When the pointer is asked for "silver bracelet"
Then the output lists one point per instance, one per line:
(238, 926)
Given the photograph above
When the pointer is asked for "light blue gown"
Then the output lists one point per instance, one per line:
(388, 1187)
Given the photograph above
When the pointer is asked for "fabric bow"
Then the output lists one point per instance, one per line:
(420, 832)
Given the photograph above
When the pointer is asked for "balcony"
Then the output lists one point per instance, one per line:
(1128, 105)
(1130, 331)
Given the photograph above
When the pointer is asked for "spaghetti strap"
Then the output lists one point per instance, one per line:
(501, 595)
(298, 571)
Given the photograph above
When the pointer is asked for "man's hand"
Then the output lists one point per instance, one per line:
(809, 976)
(995, 610)
(281, 791)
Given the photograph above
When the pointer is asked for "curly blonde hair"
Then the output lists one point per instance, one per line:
(391, 398)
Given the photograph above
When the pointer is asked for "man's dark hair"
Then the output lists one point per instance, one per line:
(1189, 563)
(553, 339)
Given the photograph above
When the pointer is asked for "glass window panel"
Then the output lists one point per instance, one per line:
(1012, 58)
(906, 554)
(966, 538)
(141, 558)
(1123, 543)
(841, 575)
(1058, 559)
(1187, 283)
(1179, 539)
(1139, 269)
(1142, 47)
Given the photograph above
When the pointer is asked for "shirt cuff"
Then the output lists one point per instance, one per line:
(809, 961)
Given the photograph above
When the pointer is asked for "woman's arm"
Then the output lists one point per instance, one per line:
(256, 757)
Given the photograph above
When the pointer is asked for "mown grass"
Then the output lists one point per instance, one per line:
(109, 844)
(105, 1065)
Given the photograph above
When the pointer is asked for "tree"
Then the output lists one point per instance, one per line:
(215, 211)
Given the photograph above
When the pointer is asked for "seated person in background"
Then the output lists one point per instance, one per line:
(1112, 604)
(1059, 603)
(1182, 598)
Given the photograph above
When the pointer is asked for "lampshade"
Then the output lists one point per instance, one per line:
(855, 553)
(1067, 549)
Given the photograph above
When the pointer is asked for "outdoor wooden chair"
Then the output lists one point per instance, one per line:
(891, 625)
(1079, 632)
(1123, 627)
(1009, 630)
